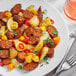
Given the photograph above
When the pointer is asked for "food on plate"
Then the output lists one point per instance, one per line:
(4, 53)
(6, 61)
(16, 9)
(2, 15)
(30, 66)
(40, 14)
(13, 52)
(28, 14)
(26, 39)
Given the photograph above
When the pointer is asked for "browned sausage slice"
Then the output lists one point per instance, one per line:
(37, 32)
(40, 14)
(30, 66)
(6, 61)
(16, 9)
(5, 44)
(51, 43)
(19, 31)
(50, 53)
(21, 57)
(29, 31)
(28, 14)
(10, 35)
(2, 15)
(33, 40)
(19, 19)
(4, 54)
(50, 30)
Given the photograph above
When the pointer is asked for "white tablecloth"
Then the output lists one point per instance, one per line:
(59, 4)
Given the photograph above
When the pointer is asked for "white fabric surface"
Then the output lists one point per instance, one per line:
(59, 4)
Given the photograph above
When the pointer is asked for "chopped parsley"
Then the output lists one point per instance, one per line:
(47, 17)
(45, 11)
(15, 33)
(51, 42)
(36, 52)
(55, 32)
(45, 41)
(45, 58)
(41, 65)
(0, 52)
(20, 67)
(47, 62)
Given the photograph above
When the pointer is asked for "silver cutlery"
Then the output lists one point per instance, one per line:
(69, 63)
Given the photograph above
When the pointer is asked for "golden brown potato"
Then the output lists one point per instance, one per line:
(34, 21)
(43, 53)
(39, 46)
(16, 63)
(30, 8)
(13, 52)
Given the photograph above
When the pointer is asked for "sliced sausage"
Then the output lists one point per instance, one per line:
(50, 30)
(50, 53)
(5, 44)
(51, 43)
(37, 32)
(28, 14)
(1, 23)
(29, 31)
(2, 15)
(6, 61)
(19, 31)
(4, 54)
(19, 19)
(33, 40)
(10, 35)
(40, 14)
(30, 66)
(21, 57)
(16, 9)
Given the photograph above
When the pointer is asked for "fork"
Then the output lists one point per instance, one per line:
(69, 63)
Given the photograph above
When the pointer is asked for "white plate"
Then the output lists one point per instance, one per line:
(60, 50)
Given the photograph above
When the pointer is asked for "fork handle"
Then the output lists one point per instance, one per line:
(58, 72)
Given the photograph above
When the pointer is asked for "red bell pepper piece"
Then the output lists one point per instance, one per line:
(52, 21)
(1, 63)
(27, 50)
(13, 43)
(6, 11)
(22, 10)
(38, 55)
(27, 22)
(26, 39)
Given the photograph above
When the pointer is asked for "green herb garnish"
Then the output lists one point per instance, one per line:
(55, 32)
(45, 41)
(45, 11)
(20, 67)
(41, 65)
(47, 17)
(15, 33)
(0, 52)
(51, 42)
(36, 52)
(47, 62)
(45, 58)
